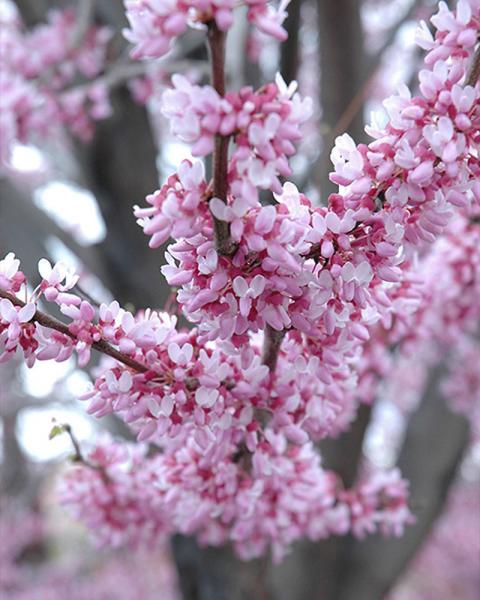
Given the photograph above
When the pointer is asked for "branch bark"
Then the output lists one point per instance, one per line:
(432, 450)
(216, 43)
(271, 346)
(475, 69)
(289, 53)
(342, 59)
(52, 323)
(216, 574)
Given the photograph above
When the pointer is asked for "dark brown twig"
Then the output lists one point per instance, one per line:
(53, 323)
(216, 43)
(475, 69)
(271, 346)
(78, 457)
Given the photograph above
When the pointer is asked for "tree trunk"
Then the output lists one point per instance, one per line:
(216, 574)
(341, 75)
(432, 450)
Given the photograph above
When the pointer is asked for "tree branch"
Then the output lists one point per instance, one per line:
(101, 346)
(85, 13)
(271, 346)
(475, 69)
(289, 52)
(216, 42)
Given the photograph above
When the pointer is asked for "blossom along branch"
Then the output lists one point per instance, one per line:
(329, 287)
(134, 483)
(53, 323)
(66, 65)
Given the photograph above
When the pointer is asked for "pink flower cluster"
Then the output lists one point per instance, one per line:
(178, 379)
(115, 574)
(441, 315)
(187, 383)
(38, 66)
(263, 124)
(332, 273)
(316, 269)
(117, 498)
(154, 24)
(379, 502)
(268, 499)
(182, 195)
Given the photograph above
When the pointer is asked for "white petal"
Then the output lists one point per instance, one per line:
(240, 286)
(44, 268)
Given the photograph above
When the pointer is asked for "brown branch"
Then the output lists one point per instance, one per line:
(271, 346)
(102, 346)
(475, 69)
(216, 43)
(290, 49)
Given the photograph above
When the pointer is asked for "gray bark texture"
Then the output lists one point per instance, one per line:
(342, 65)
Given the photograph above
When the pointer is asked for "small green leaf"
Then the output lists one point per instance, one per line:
(56, 430)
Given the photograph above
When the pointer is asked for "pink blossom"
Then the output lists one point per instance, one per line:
(11, 279)
(38, 67)
(16, 330)
(154, 24)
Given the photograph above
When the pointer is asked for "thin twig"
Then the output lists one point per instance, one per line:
(271, 346)
(78, 457)
(85, 14)
(475, 69)
(216, 42)
(101, 346)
